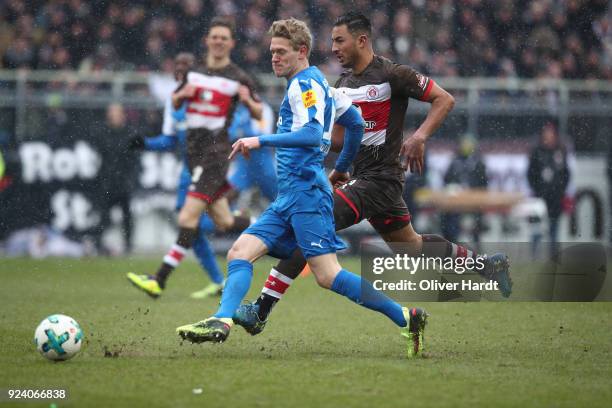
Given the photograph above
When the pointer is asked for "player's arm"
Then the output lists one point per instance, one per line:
(354, 125)
(184, 92)
(308, 135)
(413, 147)
(408, 83)
(307, 104)
(247, 95)
(252, 103)
(160, 143)
(169, 136)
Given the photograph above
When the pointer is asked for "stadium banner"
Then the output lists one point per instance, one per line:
(58, 183)
(577, 272)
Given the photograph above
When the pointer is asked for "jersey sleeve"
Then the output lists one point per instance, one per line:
(168, 125)
(341, 101)
(307, 99)
(409, 83)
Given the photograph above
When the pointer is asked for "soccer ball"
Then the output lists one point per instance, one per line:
(58, 337)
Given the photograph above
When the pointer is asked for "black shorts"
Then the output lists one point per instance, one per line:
(379, 201)
(207, 153)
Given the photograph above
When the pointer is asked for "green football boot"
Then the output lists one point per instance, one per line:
(146, 283)
(212, 329)
(214, 289)
(414, 331)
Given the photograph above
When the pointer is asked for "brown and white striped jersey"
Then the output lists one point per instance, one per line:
(216, 97)
(381, 92)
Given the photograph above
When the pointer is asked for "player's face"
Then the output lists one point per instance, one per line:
(344, 46)
(182, 65)
(219, 42)
(284, 57)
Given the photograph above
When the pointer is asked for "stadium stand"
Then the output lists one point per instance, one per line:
(529, 39)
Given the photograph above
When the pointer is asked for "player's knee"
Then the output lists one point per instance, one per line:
(325, 274)
(324, 280)
(188, 218)
(237, 251)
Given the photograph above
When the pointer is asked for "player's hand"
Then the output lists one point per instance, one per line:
(338, 179)
(244, 93)
(136, 143)
(243, 146)
(412, 153)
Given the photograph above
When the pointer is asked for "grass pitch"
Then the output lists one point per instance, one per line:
(318, 348)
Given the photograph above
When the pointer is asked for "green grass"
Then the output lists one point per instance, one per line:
(318, 349)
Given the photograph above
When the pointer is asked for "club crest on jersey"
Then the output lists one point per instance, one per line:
(422, 81)
(372, 92)
(309, 98)
(206, 95)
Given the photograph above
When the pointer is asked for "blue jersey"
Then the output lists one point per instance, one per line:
(308, 99)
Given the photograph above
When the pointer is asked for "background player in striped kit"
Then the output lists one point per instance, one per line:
(174, 134)
(211, 95)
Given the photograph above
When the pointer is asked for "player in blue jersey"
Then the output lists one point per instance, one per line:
(258, 170)
(301, 216)
(174, 135)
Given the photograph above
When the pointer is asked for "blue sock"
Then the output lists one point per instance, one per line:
(239, 274)
(206, 257)
(363, 293)
(206, 224)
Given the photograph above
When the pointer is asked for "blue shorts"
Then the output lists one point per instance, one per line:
(303, 219)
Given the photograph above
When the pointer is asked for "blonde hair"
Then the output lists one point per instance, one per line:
(296, 31)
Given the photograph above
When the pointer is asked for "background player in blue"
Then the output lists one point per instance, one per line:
(301, 216)
(258, 170)
(174, 135)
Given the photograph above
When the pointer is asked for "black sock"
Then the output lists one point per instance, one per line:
(176, 254)
(266, 303)
(162, 274)
(278, 282)
(436, 246)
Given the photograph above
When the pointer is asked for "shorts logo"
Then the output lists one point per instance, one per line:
(309, 98)
(314, 244)
(372, 92)
(370, 124)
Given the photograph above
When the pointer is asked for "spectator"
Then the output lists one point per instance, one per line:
(473, 37)
(466, 171)
(118, 173)
(548, 176)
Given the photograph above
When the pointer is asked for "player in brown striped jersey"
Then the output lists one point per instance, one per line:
(211, 94)
(381, 88)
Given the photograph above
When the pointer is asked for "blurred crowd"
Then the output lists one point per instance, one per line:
(492, 38)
